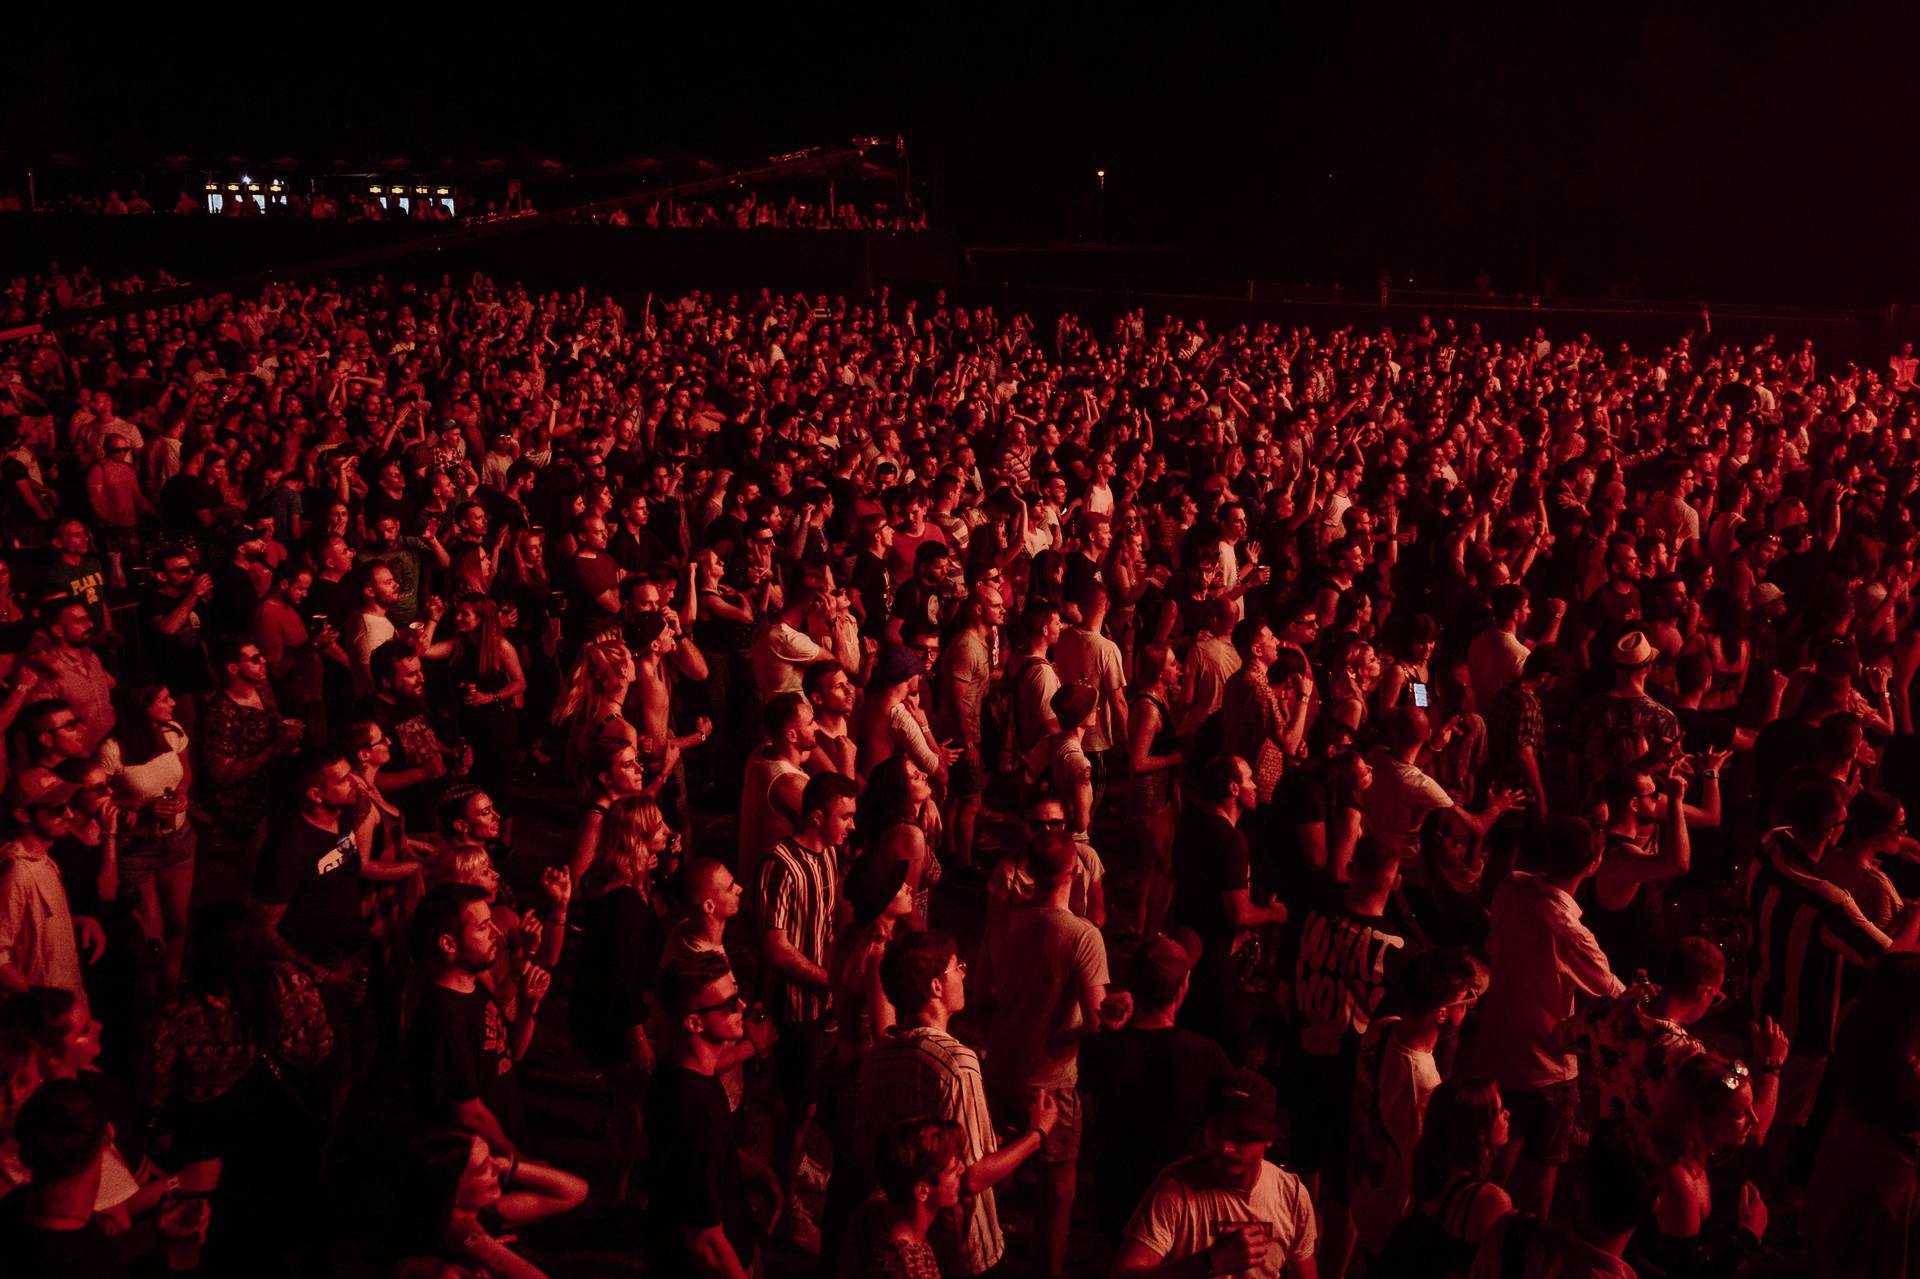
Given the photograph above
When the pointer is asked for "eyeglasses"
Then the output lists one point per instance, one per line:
(732, 1003)
(63, 726)
(958, 968)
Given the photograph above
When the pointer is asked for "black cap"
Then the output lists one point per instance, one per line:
(871, 884)
(1243, 1105)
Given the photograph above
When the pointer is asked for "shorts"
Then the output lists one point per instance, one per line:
(145, 854)
(1062, 1145)
(800, 1057)
(1543, 1120)
(1799, 1089)
(967, 779)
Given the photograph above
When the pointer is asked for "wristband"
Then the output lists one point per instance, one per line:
(1769, 1067)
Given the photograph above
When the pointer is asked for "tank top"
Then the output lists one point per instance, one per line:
(1634, 936)
(1149, 792)
(761, 825)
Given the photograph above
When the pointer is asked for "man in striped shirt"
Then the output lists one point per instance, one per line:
(795, 891)
(1806, 930)
(920, 1069)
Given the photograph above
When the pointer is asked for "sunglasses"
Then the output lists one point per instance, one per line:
(732, 1003)
(1046, 823)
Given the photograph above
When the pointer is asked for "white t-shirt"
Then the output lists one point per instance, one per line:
(1396, 1082)
(137, 785)
(1084, 657)
(1494, 660)
(368, 631)
(1180, 1215)
(779, 659)
(1399, 800)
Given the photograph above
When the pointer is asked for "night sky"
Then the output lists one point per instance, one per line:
(1671, 154)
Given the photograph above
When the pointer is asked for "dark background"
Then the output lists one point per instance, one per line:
(1587, 150)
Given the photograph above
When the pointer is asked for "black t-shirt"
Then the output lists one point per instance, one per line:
(33, 1252)
(636, 554)
(1149, 1093)
(871, 580)
(416, 738)
(1080, 572)
(331, 600)
(315, 874)
(695, 1167)
(85, 581)
(1209, 858)
(1343, 965)
(1777, 748)
(593, 575)
(1299, 799)
(915, 601)
(178, 660)
(457, 1051)
(1702, 731)
(184, 497)
(618, 962)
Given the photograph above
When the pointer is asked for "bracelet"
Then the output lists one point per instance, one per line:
(1770, 1067)
(1711, 775)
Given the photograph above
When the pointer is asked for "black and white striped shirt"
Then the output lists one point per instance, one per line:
(1805, 931)
(921, 1071)
(795, 891)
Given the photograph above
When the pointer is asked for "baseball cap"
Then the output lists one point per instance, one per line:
(1072, 703)
(1243, 1106)
(643, 630)
(896, 664)
(1160, 965)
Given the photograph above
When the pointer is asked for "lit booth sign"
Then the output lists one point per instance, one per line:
(405, 195)
(261, 193)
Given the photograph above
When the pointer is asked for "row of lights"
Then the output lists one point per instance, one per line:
(248, 184)
(275, 187)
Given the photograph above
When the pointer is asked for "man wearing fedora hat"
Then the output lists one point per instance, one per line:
(1626, 707)
(1227, 1210)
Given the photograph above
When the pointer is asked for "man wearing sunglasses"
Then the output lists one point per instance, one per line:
(40, 938)
(701, 1221)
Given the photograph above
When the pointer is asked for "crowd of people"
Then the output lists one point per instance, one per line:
(993, 794)
(34, 297)
(316, 205)
(750, 212)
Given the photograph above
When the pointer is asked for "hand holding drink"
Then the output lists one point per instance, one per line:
(1240, 1247)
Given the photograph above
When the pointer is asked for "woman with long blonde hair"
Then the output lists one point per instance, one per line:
(612, 998)
(591, 709)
